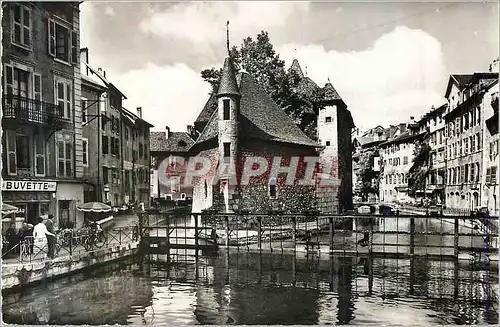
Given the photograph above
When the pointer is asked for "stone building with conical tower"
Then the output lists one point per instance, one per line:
(241, 129)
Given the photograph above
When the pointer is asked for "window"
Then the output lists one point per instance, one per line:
(114, 102)
(105, 145)
(105, 175)
(39, 156)
(63, 95)
(328, 119)
(141, 151)
(84, 109)
(21, 25)
(63, 42)
(126, 132)
(227, 150)
(103, 102)
(115, 179)
(327, 143)
(10, 139)
(85, 151)
(64, 156)
(272, 188)
(23, 151)
(405, 160)
(493, 173)
(226, 106)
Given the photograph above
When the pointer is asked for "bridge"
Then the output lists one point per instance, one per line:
(450, 237)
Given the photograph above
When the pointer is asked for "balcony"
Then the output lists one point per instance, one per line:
(22, 110)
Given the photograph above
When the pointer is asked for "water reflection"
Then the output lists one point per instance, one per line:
(253, 288)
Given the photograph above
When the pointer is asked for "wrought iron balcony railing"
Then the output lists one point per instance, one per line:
(26, 110)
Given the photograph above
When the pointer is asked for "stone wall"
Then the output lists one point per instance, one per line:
(20, 274)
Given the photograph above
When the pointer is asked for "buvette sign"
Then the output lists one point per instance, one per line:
(29, 186)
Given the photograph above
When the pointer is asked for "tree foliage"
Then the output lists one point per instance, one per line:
(421, 168)
(260, 60)
(368, 177)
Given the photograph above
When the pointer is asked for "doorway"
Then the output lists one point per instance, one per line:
(32, 212)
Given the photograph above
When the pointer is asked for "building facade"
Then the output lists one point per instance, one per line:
(491, 150)
(465, 144)
(118, 173)
(397, 158)
(166, 148)
(433, 124)
(42, 161)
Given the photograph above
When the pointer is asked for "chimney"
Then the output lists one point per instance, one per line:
(104, 73)
(139, 109)
(84, 54)
(168, 132)
(190, 129)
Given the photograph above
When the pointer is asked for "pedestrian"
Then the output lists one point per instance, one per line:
(51, 240)
(25, 234)
(40, 233)
(10, 237)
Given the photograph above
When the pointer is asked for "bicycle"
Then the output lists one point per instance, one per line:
(95, 239)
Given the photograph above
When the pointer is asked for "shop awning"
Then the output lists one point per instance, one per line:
(94, 207)
(8, 209)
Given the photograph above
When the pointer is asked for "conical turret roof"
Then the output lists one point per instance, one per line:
(228, 85)
(296, 68)
(330, 93)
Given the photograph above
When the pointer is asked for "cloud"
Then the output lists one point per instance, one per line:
(397, 77)
(169, 96)
(206, 21)
(109, 11)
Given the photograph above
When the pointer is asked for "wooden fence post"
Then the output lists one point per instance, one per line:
(259, 232)
(455, 238)
(196, 241)
(227, 231)
(330, 223)
(412, 236)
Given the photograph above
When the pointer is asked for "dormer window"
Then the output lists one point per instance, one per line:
(226, 106)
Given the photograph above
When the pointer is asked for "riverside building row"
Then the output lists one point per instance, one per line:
(48, 164)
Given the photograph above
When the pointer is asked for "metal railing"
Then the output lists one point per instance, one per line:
(28, 110)
(404, 235)
(68, 243)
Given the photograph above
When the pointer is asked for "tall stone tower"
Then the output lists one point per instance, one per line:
(228, 101)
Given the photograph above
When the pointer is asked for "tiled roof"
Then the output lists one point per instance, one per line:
(133, 117)
(330, 92)
(260, 118)
(209, 108)
(462, 79)
(176, 142)
(227, 85)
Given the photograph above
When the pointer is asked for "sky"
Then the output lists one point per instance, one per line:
(387, 60)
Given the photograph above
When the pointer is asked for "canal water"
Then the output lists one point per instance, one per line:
(262, 288)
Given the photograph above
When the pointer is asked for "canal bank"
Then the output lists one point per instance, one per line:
(19, 274)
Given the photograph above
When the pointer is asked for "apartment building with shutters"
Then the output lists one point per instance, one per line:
(42, 166)
(116, 142)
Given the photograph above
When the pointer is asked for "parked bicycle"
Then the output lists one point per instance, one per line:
(95, 238)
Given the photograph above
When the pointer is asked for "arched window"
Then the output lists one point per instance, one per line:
(272, 187)
(206, 189)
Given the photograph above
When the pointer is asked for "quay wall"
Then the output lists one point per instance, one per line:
(19, 274)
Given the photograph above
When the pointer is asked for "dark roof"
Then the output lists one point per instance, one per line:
(462, 80)
(227, 85)
(260, 118)
(296, 68)
(209, 108)
(134, 118)
(306, 87)
(176, 142)
(330, 93)
(406, 136)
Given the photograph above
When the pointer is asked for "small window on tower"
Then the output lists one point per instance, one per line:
(226, 106)
(328, 119)
(327, 143)
(227, 150)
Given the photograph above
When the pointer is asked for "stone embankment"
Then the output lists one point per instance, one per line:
(19, 274)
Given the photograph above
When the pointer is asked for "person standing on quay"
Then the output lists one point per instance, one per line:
(51, 241)
(40, 233)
